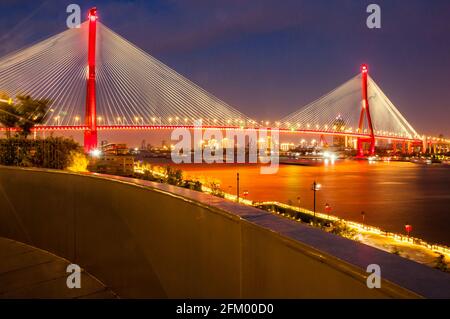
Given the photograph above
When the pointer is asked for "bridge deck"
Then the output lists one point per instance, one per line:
(132, 127)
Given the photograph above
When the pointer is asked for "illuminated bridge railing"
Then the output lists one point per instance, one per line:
(125, 127)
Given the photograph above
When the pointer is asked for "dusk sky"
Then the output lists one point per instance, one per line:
(268, 58)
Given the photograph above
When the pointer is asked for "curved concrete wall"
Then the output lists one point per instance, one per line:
(144, 239)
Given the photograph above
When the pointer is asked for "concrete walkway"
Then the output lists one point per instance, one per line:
(29, 272)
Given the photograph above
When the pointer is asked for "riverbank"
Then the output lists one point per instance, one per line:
(405, 246)
(408, 247)
(391, 194)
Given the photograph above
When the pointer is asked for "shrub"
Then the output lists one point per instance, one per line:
(440, 263)
(52, 152)
(78, 162)
(215, 189)
(174, 176)
(342, 229)
(395, 250)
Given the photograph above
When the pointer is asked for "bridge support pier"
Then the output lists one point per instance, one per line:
(361, 141)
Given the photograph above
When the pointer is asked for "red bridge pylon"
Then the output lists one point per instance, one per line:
(365, 110)
(90, 134)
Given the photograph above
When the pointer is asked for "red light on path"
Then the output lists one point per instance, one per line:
(364, 68)
(408, 229)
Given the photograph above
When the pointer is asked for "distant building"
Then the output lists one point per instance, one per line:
(115, 149)
(115, 159)
(339, 125)
(114, 165)
(287, 146)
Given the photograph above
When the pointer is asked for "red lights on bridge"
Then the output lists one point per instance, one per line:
(364, 68)
(93, 14)
(315, 122)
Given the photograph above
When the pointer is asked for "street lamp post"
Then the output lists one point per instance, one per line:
(237, 187)
(408, 229)
(315, 188)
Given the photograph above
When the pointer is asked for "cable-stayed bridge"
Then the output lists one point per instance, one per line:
(98, 80)
(356, 107)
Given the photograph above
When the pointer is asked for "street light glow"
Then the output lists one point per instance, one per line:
(96, 153)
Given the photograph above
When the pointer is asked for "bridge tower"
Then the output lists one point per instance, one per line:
(365, 110)
(90, 134)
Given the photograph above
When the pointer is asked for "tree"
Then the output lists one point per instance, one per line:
(24, 114)
(8, 114)
(52, 152)
(31, 111)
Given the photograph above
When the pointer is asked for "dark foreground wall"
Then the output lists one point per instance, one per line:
(144, 239)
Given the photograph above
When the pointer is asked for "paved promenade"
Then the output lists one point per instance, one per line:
(28, 272)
